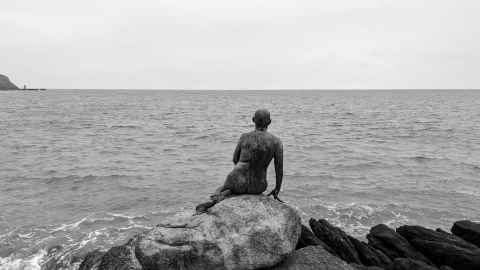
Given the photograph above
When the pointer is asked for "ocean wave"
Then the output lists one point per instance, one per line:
(33, 262)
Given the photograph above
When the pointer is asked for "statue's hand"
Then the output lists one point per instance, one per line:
(275, 192)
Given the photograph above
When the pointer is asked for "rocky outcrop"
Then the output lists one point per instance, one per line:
(312, 258)
(467, 230)
(346, 247)
(307, 238)
(6, 84)
(244, 232)
(443, 248)
(335, 238)
(393, 244)
(409, 264)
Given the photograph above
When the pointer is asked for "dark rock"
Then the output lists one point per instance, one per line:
(307, 238)
(120, 258)
(444, 267)
(363, 267)
(468, 231)
(409, 264)
(92, 260)
(418, 232)
(393, 244)
(369, 255)
(6, 84)
(449, 254)
(336, 239)
(312, 258)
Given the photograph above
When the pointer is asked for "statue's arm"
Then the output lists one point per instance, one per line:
(278, 157)
(236, 153)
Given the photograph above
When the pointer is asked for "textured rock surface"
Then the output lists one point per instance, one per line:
(307, 238)
(92, 260)
(409, 264)
(443, 248)
(244, 232)
(346, 247)
(336, 239)
(120, 258)
(369, 255)
(418, 232)
(6, 84)
(443, 253)
(467, 230)
(312, 258)
(393, 244)
(363, 267)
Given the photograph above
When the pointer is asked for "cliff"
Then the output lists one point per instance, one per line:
(6, 84)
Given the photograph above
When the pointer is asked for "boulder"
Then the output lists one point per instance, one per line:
(418, 232)
(120, 258)
(445, 253)
(6, 84)
(307, 238)
(92, 260)
(409, 264)
(468, 231)
(363, 267)
(312, 258)
(393, 244)
(369, 255)
(336, 239)
(242, 232)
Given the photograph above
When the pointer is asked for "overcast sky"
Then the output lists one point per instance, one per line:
(242, 44)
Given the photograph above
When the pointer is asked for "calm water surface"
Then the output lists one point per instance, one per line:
(86, 169)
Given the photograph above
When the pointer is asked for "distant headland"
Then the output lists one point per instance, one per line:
(6, 84)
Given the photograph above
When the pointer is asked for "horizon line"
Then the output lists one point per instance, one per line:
(272, 89)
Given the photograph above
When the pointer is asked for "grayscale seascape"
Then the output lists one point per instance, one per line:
(89, 169)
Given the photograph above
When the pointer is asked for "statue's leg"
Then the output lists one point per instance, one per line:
(235, 184)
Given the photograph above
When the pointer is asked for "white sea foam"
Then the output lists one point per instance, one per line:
(32, 262)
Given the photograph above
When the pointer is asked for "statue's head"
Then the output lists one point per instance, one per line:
(261, 118)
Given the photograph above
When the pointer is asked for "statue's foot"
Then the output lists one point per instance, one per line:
(203, 207)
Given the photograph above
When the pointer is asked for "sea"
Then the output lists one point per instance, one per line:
(87, 169)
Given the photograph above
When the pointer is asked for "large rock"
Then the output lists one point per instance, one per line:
(243, 232)
(467, 230)
(307, 238)
(312, 258)
(121, 258)
(346, 247)
(418, 232)
(443, 248)
(6, 84)
(409, 264)
(369, 255)
(393, 244)
(336, 239)
(444, 253)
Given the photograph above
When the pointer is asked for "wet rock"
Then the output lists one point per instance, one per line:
(336, 239)
(418, 232)
(443, 248)
(92, 260)
(363, 267)
(445, 253)
(393, 244)
(409, 264)
(120, 258)
(468, 231)
(370, 256)
(312, 258)
(243, 232)
(307, 238)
